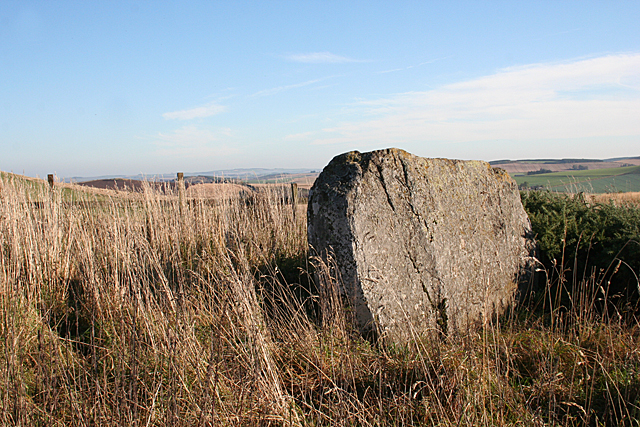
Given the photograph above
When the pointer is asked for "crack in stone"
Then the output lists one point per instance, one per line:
(384, 186)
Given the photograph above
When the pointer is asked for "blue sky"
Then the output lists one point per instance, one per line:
(96, 88)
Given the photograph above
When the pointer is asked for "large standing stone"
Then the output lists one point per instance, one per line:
(421, 244)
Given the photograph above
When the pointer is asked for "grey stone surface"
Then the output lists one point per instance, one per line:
(421, 244)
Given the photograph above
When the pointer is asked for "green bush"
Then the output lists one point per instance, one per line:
(597, 244)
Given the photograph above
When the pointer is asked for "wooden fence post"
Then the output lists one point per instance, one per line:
(294, 199)
(50, 179)
(181, 190)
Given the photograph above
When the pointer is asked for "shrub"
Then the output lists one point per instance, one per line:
(597, 243)
(539, 171)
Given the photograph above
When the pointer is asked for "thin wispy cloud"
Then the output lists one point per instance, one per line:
(298, 136)
(321, 87)
(391, 71)
(193, 142)
(208, 110)
(576, 99)
(559, 33)
(278, 89)
(415, 66)
(320, 58)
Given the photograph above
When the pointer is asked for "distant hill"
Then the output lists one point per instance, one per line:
(604, 180)
(620, 174)
(235, 174)
(570, 174)
(136, 185)
(546, 161)
(114, 184)
(523, 167)
(304, 180)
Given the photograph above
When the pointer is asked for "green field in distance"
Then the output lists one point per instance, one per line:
(611, 180)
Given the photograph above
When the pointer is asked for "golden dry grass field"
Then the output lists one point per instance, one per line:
(631, 198)
(206, 309)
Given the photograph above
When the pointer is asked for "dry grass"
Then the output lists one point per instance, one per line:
(216, 191)
(159, 310)
(619, 199)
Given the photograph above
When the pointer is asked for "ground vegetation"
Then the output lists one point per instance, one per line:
(166, 309)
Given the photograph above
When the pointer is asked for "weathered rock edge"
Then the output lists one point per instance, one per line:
(421, 244)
